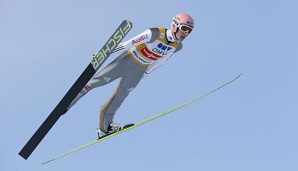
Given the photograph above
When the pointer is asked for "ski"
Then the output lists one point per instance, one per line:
(142, 122)
(87, 74)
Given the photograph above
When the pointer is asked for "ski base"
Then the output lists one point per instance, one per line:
(140, 123)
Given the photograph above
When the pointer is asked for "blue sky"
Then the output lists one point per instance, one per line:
(250, 125)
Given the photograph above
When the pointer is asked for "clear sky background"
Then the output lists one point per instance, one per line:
(250, 125)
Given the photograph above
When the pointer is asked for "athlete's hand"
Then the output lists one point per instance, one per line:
(145, 75)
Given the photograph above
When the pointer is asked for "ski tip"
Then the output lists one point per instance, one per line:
(239, 75)
(235, 78)
(127, 22)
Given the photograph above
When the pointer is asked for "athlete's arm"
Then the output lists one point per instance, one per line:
(135, 41)
(156, 64)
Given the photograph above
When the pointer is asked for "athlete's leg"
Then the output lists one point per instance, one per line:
(107, 75)
(107, 112)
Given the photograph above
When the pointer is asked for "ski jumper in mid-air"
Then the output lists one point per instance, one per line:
(142, 54)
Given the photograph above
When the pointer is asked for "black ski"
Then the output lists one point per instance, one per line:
(91, 69)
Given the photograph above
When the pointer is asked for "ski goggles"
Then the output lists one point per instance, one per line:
(184, 28)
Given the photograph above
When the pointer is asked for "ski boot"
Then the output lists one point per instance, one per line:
(113, 127)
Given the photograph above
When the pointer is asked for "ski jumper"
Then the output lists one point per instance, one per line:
(142, 54)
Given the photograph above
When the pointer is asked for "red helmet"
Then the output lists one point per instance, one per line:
(184, 22)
